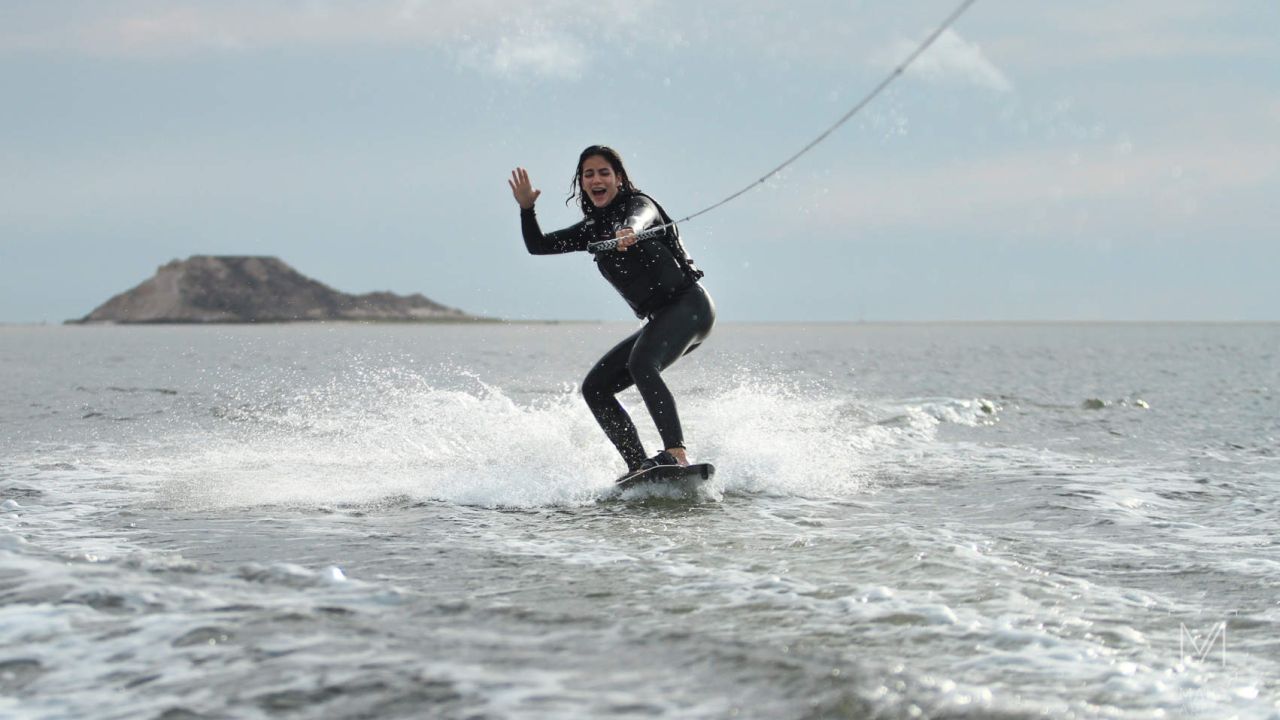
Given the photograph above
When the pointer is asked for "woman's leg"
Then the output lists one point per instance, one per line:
(607, 378)
(675, 331)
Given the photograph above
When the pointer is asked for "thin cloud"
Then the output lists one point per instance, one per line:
(1155, 183)
(951, 59)
(1101, 32)
(545, 56)
(552, 38)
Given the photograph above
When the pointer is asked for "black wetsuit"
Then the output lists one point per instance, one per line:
(660, 284)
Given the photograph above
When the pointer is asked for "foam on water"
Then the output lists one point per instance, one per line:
(366, 443)
(374, 436)
(83, 627)
(880, 551)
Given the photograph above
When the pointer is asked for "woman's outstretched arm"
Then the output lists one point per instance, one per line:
(570, 239)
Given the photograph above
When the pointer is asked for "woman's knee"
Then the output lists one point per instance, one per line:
(595, 386)
(645, 372)
(589, 389)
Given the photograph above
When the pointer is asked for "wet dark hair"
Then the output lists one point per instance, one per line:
(610, 156)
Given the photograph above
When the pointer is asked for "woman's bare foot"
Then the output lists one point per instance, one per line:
(679, 454)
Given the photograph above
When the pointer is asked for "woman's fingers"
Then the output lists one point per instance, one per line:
(522, 189)
(626, 238)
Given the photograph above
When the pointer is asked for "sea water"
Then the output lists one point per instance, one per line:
(381, 521)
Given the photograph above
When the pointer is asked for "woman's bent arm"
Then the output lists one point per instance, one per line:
(641, 213)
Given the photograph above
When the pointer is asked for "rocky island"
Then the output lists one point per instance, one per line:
(255, 289)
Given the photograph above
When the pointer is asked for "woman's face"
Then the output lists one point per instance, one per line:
(599, 182)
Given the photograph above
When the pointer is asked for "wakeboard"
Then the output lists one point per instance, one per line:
(690, 476)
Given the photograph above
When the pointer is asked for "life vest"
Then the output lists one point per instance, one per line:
(651, 272)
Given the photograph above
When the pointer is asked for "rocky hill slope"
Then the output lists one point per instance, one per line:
(249, 289)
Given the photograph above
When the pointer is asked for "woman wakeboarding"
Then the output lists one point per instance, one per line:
(652, 273)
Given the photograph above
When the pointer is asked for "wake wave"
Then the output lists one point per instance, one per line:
(395, 436)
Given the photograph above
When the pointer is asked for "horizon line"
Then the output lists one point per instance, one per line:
(597, 321)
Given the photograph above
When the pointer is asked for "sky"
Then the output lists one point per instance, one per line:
(1083, 161)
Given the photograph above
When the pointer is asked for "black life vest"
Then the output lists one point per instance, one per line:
(651, 272)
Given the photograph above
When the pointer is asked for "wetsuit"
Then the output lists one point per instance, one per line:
(660, 284)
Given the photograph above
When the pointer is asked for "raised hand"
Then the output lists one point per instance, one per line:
(522, 189)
